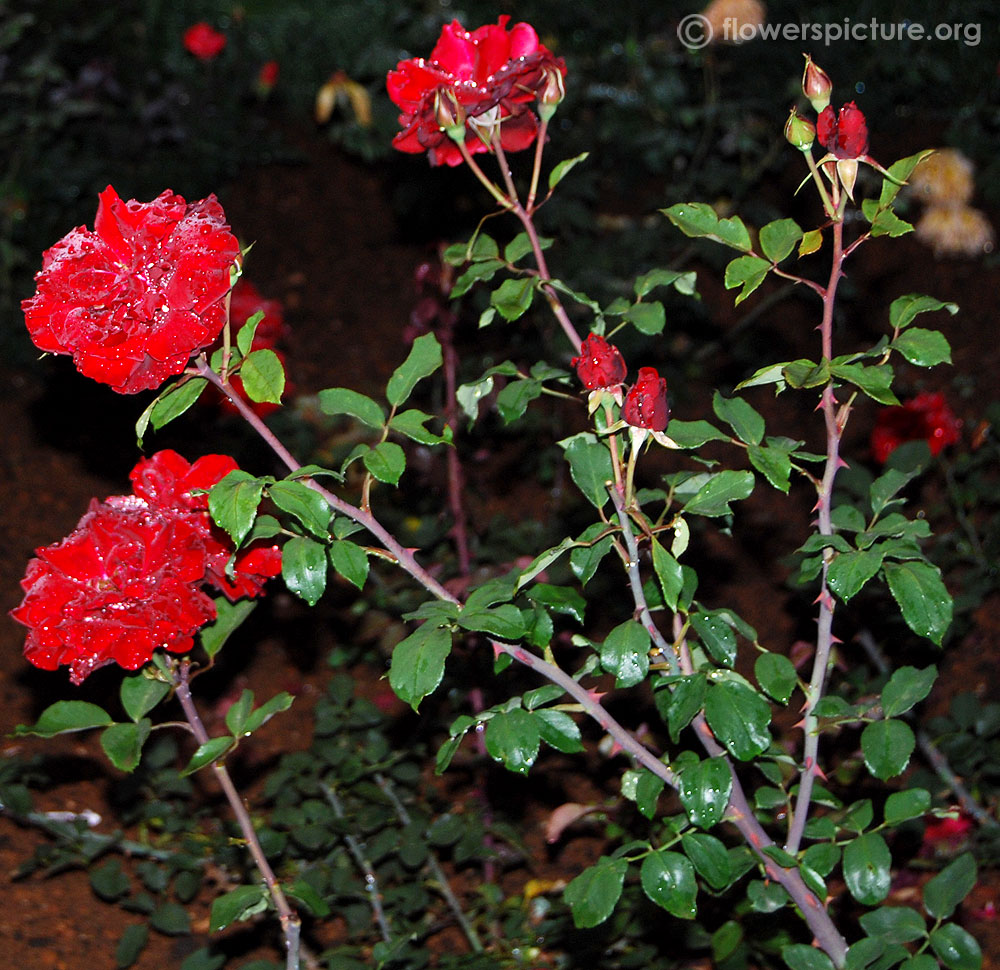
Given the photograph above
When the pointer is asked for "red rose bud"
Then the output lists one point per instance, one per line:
(816, 85)
(799, 132)
(646, 402)
(844, 135)
(600, 364)
(204, 41)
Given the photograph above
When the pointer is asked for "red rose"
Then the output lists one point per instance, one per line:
(486, 77)
(844, 135)
(126, 582)
(927, 417)
(166, 482)
(135, 298)
(646, 402)
(267, 77)
(204, 41)
(600, 364)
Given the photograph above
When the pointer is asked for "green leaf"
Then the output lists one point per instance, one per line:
(305, 504)
(411, 423)
(589, 466)
(238, 904)
(513, 738)
(239, 711)
(64, 717)
(875, 381)
(228, 617)
(520, 246)
(647, 318)
(909, 803)
(905, 309)
(625, 653)
(867, 864)
(684, 702)
(705, 789)
(925, 603)
(122, 743)
(773, 462)
(424, 358)
(725, 940)
(386, 461)
(925, 348)
(957, 948)
(668, 572)
(894, 924)
(907, 686)
(246, 333)
(558, 599)
(800, 956)
(887, 746)
(140, 694)
(922, 961)
(130, 945)
(865, 952)
(208, 753)
(739, 718)
(515, 397)
(899, 172)
(668, 880)
(950, 886)
(263, 376)
(682, 282)
(741, 417)
(559, 730)
(171, 919)
(699, 220)
(233, 503)
(303, 568)
(709, 857)
(512, 298)
(776, 675)
(717, 636)
(849, 571)
(884, 222)
(713, 498)
(748, 272)
(350, 560)
(311, 900)
(563, 168)
(342, 400)
(693, 434)
(109, 881)
(504, 621)
(584, 560)
(806, 373)
(883, 488)
(778, 238)
(170, 404)
(593, 895)
(418, 663)
(264, 713)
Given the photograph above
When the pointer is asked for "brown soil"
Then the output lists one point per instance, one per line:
(327, 245)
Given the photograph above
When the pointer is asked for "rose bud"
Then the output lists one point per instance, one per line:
(816, 85)
(600, 364)
(843, 134)
(646, 402)
(551, 94)
(799, 132)
(450, 115)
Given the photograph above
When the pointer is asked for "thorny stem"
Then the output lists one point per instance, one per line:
(536, 169)
(443, 886)
(290, 923)
(834, 419)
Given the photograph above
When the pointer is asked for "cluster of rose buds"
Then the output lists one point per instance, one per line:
(601, 366)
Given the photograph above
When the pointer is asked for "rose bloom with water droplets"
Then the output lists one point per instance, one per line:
(134, 299)
(130, 579)
(485, 78)
(646, 401)
(600, 364)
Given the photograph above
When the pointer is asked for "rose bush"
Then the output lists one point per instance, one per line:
(133, 299)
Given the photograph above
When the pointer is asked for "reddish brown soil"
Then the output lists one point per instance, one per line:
(326, 244)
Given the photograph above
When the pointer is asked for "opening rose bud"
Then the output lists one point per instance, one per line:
(600, 364)
(799, 132)
(843, 134)
(646, 402)
(816, 85)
